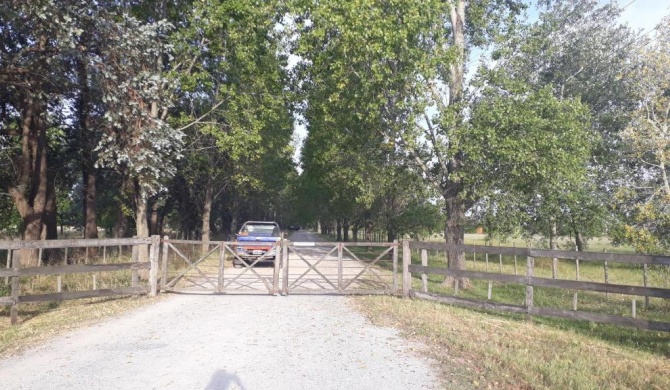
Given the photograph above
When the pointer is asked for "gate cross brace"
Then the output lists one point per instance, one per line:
(250, 267)
(192, 265)
(367, 266)
(313, 267)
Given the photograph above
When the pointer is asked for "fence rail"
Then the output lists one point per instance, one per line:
(15, 273)
(530, 281)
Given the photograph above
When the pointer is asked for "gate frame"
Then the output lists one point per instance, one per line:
(222, 246)
(341, 288)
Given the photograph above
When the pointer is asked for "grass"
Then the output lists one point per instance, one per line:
(483, 350)
(479, 349)
(41, 321)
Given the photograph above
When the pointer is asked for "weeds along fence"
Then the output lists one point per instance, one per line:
(112, 266)
(597, 287)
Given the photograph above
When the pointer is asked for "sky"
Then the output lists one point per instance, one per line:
(642, 15)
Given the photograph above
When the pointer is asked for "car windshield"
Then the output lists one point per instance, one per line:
(258, 228)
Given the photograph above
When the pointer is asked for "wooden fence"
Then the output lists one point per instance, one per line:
(530, 281)
(14, 272)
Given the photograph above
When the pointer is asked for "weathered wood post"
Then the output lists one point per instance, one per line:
(222, 265)
(406, 275)
(575, 294)
(154, 252)
(530, 270)
(645, 281)
(340, 267)
(164, 265)
(9, 263)
(424, 276)
(134, 274)
(276, 270)
(285, 264)
(607, 280)
(16, 286)
(395, 266)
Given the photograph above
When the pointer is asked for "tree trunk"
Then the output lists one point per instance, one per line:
(49, 219)
(454, 233)
(233, 224)
(30, 192)
(141, 225)
(88, 160)
(50, 222)
(345, 227)
(391, 234)
(354, 232)
(120, 228)
(339, 230)
(579, 241)
(206, 215)
(153, 218)
(90, 209)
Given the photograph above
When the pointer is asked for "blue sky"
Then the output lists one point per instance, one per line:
(644, 14)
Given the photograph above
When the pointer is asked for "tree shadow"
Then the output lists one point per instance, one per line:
(223, 380)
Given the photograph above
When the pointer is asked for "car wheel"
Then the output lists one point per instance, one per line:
(237, 264)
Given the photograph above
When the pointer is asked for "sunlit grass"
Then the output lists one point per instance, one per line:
(488, 350)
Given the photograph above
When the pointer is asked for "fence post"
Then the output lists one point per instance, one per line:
(135, 277)
(395, 266)
(645, 280)
(16, 286)
(276, 270)
(222, 262)
(424, 276)
(285, 261)
(406, 276)
(166, 251)
(154, 252)
(340, 267)
(9, 263)
(530, 270)
(607, 280)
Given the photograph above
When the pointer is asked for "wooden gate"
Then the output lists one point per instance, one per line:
(194, 267)
(339, 268)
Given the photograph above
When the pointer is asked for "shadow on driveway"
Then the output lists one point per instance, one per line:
(223, 380)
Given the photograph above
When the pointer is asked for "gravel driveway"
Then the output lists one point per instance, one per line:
(226, 342)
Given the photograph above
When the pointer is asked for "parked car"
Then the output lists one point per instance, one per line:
(255, 239)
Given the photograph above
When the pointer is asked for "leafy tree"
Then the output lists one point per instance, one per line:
(579, 49)
(645, 197)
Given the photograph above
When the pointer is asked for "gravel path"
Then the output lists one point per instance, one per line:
(226, 342)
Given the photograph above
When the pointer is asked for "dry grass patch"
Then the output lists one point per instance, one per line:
(479, 350)
(41, 322)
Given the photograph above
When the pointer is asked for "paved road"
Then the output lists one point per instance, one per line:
(226, 342)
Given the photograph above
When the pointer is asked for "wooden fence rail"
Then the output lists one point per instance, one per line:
(15, 273)
(530, 281)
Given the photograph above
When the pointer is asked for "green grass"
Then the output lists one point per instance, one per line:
(484, 350)
(613, 304)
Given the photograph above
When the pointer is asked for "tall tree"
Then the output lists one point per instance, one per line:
(644, 197)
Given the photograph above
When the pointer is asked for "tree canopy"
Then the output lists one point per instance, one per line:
(178, 118)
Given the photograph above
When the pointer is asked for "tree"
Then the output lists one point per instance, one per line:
(579, 49)
(645, 197)
(232, 99)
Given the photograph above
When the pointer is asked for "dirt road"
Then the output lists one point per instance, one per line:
(226, 342)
